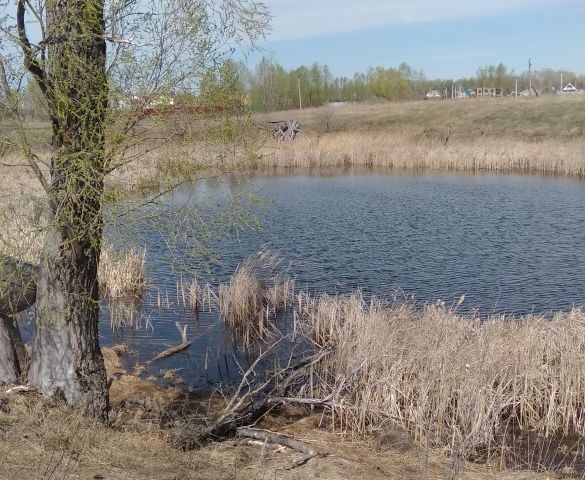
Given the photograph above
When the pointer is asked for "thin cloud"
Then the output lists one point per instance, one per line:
(315, 18)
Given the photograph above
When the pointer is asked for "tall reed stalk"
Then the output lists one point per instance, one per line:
(248, 303)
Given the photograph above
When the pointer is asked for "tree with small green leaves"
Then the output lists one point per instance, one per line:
(86, 58)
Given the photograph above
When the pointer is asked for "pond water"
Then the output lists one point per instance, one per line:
(510, 244)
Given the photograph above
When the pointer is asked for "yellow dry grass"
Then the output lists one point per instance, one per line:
(543, 135)
(248, 303)
(523, 118)
(433, 151)
(53, 442)
(474, 386)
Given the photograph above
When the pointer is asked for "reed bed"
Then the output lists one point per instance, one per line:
(470, 385)
(191, 294)
(437, 151)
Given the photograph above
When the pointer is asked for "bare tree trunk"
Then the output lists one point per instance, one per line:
(66, 354)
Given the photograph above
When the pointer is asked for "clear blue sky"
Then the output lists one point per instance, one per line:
(445, 38)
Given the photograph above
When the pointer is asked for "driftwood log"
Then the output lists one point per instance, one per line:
(185, 344)
(18, 289)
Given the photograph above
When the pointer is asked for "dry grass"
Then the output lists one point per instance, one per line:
(480, 388)
(41, 441)
(542, 135)
(523, 118)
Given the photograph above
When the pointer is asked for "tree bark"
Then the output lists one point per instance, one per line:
(9, 364)
(66, 355)
(17, 293)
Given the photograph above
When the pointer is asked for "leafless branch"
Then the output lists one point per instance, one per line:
(31, 62)
(277, 438)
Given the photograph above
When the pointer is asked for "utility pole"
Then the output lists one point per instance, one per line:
(516, 87)
(561, 82)
(300, 98)
(530, 76)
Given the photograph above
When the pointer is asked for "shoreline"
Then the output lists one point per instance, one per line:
(462, 387)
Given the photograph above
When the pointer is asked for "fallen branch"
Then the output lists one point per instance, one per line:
(171, 351)
(276, 438)
(140, 367)
(301, 401)
(20, 389)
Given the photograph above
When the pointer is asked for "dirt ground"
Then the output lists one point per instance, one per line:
(44, 440)
(26, 453)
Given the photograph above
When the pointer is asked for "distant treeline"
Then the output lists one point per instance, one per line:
(269, 86)
(232, 86)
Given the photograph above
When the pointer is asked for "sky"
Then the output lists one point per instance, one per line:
(445, 38)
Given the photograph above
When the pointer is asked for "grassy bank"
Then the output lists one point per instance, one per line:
(549, 116)
(527, 135)
(504, 390)
(402, 391)
(542, 135)
(50, 441)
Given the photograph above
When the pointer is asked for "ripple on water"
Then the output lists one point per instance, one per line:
(511, 244)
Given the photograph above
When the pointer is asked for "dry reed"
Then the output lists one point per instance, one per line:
(457, 381)
(543, 135)
(121, 274)
(248, 303)
(436, 151)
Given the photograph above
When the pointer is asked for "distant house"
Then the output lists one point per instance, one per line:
(433, 94)
(570, 88)
(488, 92)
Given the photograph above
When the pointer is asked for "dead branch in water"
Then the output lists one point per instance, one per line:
(176, 349)
(139, 368)
(253, 400)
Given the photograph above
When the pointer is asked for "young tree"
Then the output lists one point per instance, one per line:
(85, 56)
(389, 84)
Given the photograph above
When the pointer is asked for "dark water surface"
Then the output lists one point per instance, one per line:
(510, 244)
